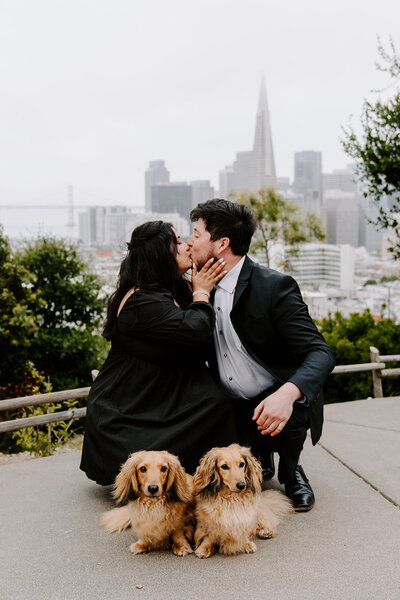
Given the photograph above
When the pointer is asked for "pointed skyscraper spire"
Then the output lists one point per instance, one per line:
(254, 169)
(264, 163)
(262, 98)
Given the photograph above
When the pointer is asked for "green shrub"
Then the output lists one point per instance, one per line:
(40, 440)
(350, 339)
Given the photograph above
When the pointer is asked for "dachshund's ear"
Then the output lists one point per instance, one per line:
(206, 477)
(126, 484)
(253, 471)
(178, 484)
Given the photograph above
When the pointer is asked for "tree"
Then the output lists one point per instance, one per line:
(17, 323)
(279, 221)
(66, 303)
(51, 307)
(350, 339)
(377, 150)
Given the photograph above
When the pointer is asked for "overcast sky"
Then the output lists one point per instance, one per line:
(92, 90)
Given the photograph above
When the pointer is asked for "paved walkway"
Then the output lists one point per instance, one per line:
(347, 547)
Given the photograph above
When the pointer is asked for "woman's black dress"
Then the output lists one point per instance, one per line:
(154, 391)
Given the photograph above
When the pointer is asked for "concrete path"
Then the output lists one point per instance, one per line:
(347, 547)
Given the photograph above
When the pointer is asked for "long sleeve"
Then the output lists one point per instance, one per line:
(154, 316)
(301, 337)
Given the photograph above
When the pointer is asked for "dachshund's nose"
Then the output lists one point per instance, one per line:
(153, 489)
(241, 485)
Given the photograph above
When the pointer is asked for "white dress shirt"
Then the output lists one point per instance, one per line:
(238, 371)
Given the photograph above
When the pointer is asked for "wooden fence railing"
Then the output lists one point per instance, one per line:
(377, 366)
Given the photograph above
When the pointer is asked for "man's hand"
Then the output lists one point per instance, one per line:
(272, 414)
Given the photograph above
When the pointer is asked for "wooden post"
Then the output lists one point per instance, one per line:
(376, 375)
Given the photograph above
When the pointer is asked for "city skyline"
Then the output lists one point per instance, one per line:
(94, 91)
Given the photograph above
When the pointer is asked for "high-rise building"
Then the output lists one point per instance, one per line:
(106, 226)
(172, 197)
(102, 225)
(253, 169)
(369, 235)
(201, 191)
(244, 171)
(264, 162)
(341, 216)
(308, 179)
(226, 182)
(156, 173)
(373, 236)
(339, 179)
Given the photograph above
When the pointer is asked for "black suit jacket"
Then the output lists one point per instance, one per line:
(273, 324)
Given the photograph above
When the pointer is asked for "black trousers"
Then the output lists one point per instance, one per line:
(288, 444)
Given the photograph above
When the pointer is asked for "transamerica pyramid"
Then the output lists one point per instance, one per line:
(253, 169)
(263, 153)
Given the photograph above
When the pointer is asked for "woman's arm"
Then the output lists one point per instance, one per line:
(156, 316)
(153, 315)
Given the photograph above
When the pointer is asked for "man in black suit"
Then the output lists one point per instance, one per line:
(268, 352)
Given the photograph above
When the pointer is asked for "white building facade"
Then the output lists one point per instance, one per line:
(324, 264)
(103, 226)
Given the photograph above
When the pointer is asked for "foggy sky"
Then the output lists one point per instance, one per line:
(92, 90)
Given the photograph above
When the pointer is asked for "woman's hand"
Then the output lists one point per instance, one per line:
(207, 277)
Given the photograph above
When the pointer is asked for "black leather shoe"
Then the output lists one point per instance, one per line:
(299, 491)
(268, 468)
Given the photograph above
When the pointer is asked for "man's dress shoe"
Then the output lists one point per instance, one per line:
(299, 491)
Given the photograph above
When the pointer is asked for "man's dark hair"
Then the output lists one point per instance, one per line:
(223, 218)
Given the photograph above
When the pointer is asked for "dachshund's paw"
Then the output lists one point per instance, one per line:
(204, 551)
(265, 534)
(181, 550)
(139, 548)
(250, 547)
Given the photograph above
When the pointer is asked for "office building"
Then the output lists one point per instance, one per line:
(156, 173)
(226, 181)
(372, 236)
(340, 214)
(98, 225)
(308, 179)
(340, 179)
(201, 191)
(112, 226)
(172, 197)
(324, 264)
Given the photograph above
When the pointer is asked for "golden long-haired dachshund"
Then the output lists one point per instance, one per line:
(230, 508)
(160, 506)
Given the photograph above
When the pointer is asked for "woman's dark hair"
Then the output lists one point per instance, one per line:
(223, 218)
(149, 263)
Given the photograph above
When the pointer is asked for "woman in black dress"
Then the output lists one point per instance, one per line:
(154, 391)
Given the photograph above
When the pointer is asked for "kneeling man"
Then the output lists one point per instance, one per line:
(268, 352)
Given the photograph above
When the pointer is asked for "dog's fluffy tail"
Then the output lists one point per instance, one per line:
(273, 505)
(276, 502)
(116, 520)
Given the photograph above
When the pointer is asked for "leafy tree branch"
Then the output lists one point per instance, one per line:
(377, 150)
(279, 221)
